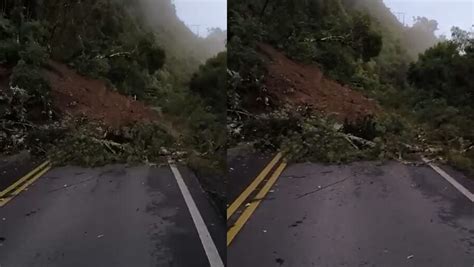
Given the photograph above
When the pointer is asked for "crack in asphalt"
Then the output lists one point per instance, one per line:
(74, 184)
(324, 187)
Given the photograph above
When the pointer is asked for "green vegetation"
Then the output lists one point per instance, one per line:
(153, 58)
(444, 70)
(426, 100)
(86, 145)
(442, 74)
(210, 83)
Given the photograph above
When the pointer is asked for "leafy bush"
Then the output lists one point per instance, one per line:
(210, 83)
(320, 141)
(364, 128)
(26, 41)
(95, 67)
(29, 78)
(445, 69)
(9, 52)
(149, 54)
(91, 145)
(461, 161)
(7, 29)
(303, 135)
(34, 54)
(34, 31)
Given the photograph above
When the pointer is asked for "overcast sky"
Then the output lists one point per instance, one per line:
(448, 13)
(205, 13)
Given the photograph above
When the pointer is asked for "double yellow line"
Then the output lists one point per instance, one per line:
(13, 190)
(235, 229)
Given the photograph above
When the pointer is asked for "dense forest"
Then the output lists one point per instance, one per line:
(420, 82)
(139, 49)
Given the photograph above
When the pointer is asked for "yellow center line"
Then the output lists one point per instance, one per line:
(245, 194)
(24, 178)
(234, 230)
(5, 200)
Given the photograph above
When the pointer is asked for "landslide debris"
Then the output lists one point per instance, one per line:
(79, 96)
(89, 124)
(291, 82)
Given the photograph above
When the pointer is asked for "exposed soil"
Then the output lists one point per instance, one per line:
(288, 81)
(77, 95)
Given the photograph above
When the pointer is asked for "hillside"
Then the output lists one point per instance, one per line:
(76, 96)
(305, 85)
(307, 93)
(96, 82)
(415, 39)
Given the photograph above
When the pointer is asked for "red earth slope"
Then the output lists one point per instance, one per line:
(291, 82)
(76, 95)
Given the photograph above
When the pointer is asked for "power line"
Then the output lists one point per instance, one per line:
(400, 16)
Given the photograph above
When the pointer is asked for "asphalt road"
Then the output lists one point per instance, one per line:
(242, 168)
(362, 214)
(110, 216)
(13, 167)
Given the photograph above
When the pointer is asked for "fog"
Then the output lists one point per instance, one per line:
(447, 13)
(175, 36)
(415, 36)
(201, 15)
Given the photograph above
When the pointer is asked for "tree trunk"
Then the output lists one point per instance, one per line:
(264, 8)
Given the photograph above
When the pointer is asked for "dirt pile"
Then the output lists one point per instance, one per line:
(77, 95)
(291, 82)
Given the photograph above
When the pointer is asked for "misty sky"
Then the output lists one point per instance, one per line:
(205, 13)
(448, 13)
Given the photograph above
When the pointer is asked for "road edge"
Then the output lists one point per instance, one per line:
(204, 235)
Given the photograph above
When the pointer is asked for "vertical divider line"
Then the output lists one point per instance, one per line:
(204, 235)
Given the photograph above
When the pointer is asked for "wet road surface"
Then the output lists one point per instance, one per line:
(14, 167)
(243, 167)
(110, 216)
(362, 214)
